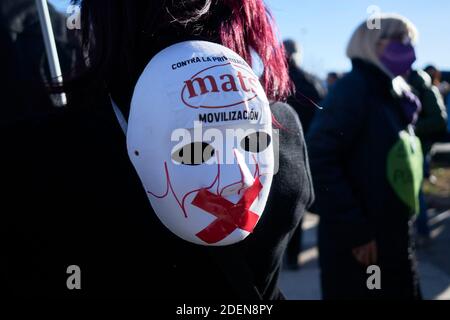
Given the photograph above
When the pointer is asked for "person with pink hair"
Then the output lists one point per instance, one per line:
(93, 210)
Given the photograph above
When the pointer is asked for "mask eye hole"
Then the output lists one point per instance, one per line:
(256, 142)
(193, 154)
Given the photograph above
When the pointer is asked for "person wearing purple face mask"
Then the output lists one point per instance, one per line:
(366, 164)
(397, 56)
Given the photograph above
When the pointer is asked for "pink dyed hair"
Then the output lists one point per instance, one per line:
(120, 36)
(251, 25)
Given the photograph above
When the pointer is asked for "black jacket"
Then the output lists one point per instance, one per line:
(70, 196)
(349, 143)
(367, 171)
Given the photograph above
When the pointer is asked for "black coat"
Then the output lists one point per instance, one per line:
(71, 197)
(350, 144)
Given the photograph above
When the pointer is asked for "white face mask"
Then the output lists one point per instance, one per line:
(200, 138)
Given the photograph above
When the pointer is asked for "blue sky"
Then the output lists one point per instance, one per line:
(323, 28)
(60, 4)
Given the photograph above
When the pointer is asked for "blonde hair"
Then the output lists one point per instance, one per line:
(364, 41)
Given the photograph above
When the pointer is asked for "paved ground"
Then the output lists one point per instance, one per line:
(434, 262)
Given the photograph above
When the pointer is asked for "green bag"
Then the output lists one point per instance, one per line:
(405, 170)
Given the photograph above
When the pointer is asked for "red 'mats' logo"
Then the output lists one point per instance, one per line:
(216, 87)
